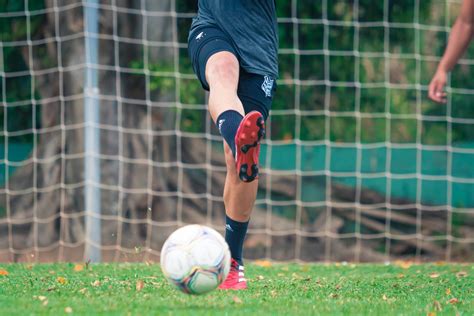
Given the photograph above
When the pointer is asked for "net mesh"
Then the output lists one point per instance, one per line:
(358, 164)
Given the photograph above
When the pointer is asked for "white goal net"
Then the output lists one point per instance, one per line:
(107, 146)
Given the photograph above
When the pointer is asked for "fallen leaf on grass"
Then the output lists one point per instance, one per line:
(453, 301)
(61, 280)
(403, 264)
(263, 263)
(82, 291)
(237, 300)
(400, 275)
(434, 275)
(384, 297)
(45, 302)
(448, 291)
(461, 274)
(51, 288)
(260, 277)
(431, 314)
(333, 295)
(41, 298)
(437, 306)
(78, 267)
(96, 283)
(68, 310)
(139, 286)
(3, 272)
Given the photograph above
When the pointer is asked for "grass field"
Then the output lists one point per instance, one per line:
(279, 289)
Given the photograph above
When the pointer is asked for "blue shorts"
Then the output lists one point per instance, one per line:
(256, 91)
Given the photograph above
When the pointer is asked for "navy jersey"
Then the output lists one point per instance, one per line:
(252, 26)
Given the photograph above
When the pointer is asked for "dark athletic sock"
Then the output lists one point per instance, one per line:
(228, 123)
(234, 236)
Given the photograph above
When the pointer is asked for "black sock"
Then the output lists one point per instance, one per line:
(234, 236)
(228, 123)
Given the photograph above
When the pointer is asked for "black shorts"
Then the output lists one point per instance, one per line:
(254, 90)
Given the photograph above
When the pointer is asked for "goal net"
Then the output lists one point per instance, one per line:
(107, 146)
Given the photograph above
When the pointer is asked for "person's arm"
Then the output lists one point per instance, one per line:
(461, 35)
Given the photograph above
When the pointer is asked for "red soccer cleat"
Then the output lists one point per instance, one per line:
(247, 142)
(235, 280)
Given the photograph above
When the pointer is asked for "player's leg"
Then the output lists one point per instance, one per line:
(222, 75)
(226, 109)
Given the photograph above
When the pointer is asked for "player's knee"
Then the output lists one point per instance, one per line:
(223, 68)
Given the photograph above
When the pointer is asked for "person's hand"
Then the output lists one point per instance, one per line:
(436, 88)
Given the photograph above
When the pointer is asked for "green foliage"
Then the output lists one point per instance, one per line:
(288, 289)
(382, 78)
(18, 87)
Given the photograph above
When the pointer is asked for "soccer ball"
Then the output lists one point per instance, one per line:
(195, 259)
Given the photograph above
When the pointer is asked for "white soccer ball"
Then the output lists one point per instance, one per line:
(195, 259)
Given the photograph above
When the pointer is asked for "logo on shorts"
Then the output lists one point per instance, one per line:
(220, 124)
(267, 86)
(200, 36)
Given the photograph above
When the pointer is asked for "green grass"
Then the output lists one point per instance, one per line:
(283, 289)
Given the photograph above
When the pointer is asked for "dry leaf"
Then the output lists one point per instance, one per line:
(400, 275)
(3, 272)
(139, 286)
(437, 306)
(448, 291)
(333, 295)
(61, 280)
(263, 263)
(78, 267)
(45, 302)
(96, 283)
(237, 300)
(82, 291)
(384, 297)
(431, 314)
(461, 274)
(434, 275)
(41, 298)
(453, 301)
(260, 277)
(68, 310)
(403, 264)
